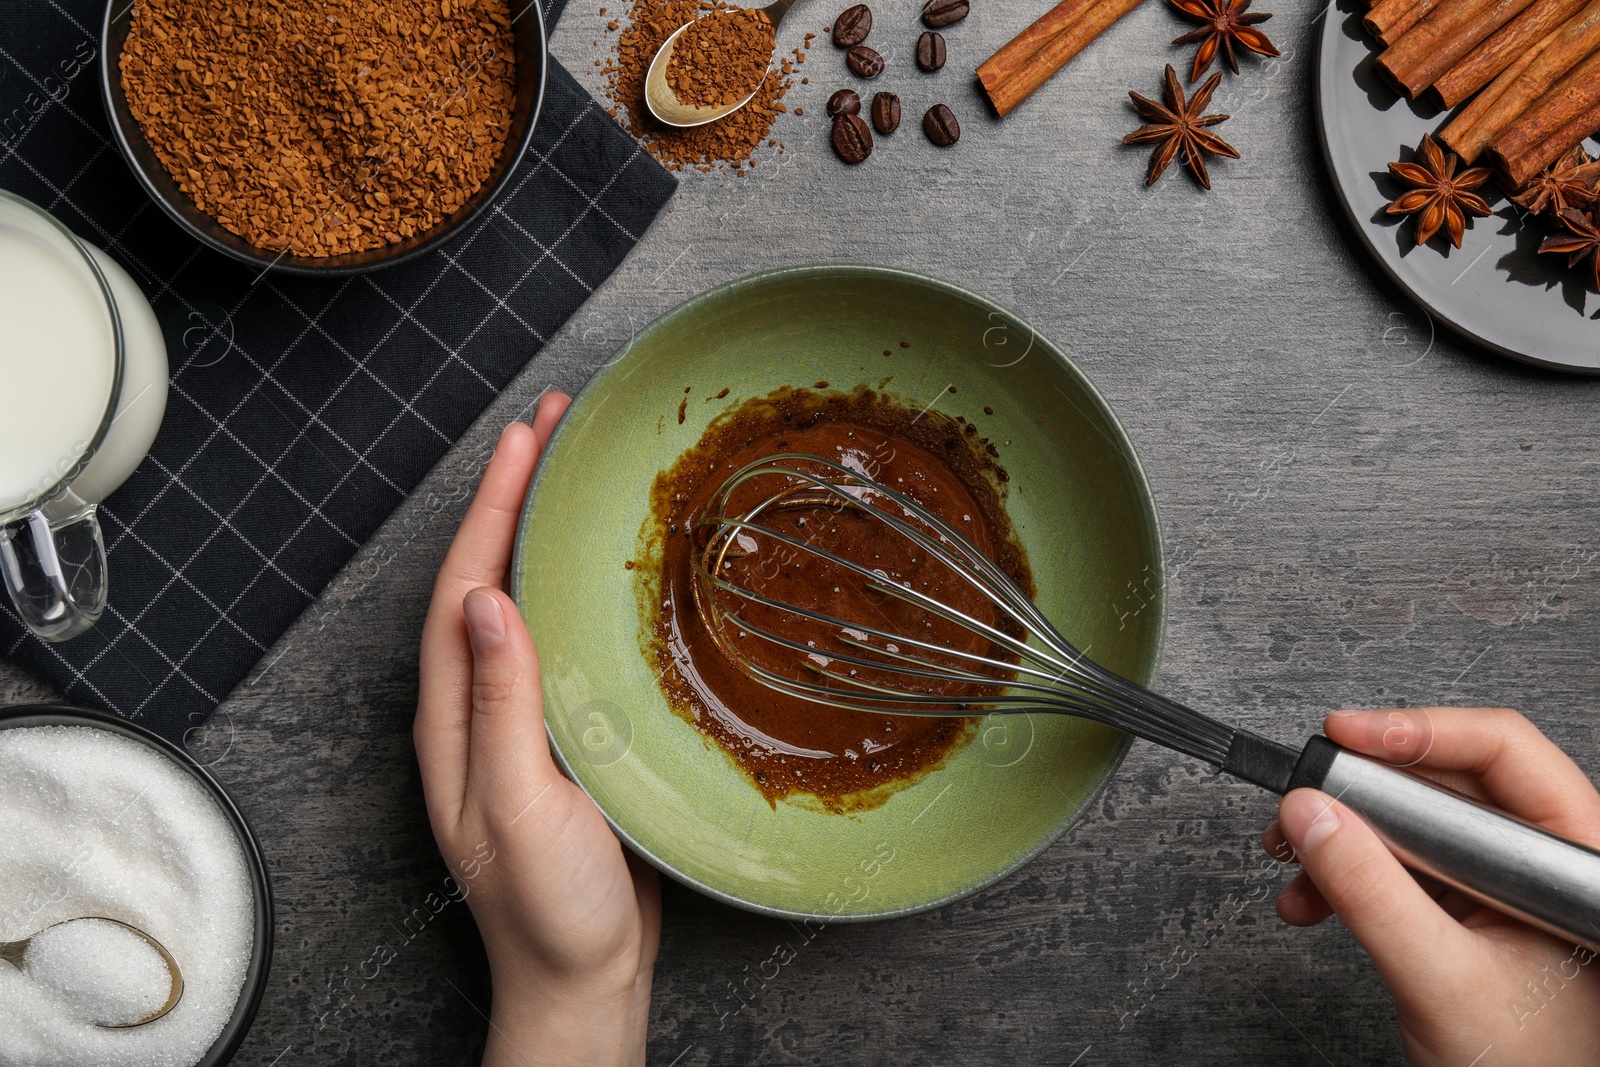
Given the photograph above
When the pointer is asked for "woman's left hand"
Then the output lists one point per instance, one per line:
(571, 920)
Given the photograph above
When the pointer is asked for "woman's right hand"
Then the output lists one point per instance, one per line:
(1471, 986)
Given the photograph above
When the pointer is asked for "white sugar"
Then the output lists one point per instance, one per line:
(105, 972)
(95, 824)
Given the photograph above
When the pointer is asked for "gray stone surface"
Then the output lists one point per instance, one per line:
(1359, 513)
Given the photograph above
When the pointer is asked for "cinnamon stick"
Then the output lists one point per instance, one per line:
(1501, 49)
(1471, 131)
(1056, 52)
(1520, 170)
(1439, 41)
(1389, 19)
(1570, 98)
(1456, 135)
(1016, 52)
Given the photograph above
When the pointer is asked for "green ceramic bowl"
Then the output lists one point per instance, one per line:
(1077, 498)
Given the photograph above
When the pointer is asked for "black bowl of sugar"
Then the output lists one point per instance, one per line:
(100, 818)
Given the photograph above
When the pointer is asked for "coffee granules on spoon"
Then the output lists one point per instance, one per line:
(720, 59)
(730, 142)
(319, 128)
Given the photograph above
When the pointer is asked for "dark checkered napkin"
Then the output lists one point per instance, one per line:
(301, 412)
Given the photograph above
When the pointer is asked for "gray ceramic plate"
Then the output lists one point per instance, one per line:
(1495, 289)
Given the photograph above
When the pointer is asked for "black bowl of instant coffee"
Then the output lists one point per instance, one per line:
(320, 139)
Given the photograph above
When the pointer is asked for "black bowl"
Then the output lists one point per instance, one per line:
(255, 975)
(531, 47)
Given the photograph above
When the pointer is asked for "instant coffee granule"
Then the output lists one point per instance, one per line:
(721, 58)
(730, 142)
(321, 128)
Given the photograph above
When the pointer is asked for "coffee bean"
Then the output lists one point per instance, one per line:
(866, 62)
(852, 27)
(852, 139)
(930, 51)
(936, 13)
(886, 112)
(941, 126)
(844, 102)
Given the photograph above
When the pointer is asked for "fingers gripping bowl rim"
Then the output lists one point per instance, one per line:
(1076, 496)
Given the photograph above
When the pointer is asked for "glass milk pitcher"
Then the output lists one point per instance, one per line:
(83, 386)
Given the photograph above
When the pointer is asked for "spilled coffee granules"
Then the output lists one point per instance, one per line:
(730, 142)
(720, 58)
(321, 128)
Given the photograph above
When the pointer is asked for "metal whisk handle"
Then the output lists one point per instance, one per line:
(1492, 857)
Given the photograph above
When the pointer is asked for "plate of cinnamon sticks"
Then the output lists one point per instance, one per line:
(1458, 135)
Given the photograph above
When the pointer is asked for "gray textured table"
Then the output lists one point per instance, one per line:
(1359, 513)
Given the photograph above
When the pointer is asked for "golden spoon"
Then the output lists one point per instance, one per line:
(664, 103)
(16, 954)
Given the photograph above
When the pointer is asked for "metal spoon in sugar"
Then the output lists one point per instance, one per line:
(663, 102)
(109, 973)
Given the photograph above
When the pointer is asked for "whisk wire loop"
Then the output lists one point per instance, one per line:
(870, 698)
(997, 585)
(1058, 684)
(1049, 674)
(874, 582)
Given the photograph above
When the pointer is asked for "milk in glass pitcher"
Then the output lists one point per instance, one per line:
(83, 386)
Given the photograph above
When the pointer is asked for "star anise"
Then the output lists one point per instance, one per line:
(1222, 24)
(1580, 242)
(1180, 124)
(1440, 197)
(1568, 182)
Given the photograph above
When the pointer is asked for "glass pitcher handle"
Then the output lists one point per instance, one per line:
(55, 573)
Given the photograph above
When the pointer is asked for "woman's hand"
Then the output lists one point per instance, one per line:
(1471, 985)
(570, 919)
